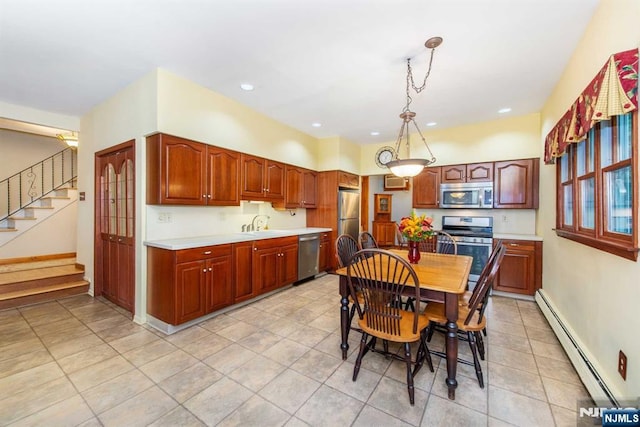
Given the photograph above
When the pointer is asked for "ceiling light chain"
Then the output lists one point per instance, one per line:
(411, 167)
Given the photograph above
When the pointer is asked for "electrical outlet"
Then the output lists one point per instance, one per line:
(165, 217)
(622, 365)
(504, 218)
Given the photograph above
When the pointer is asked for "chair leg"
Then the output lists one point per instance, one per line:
(480, 344)
(430, 329)
(407, 359)
(409, 304)
(476, 361)
(363, 350)
(423, 354)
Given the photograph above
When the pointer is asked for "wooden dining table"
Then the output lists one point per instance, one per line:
(443, 278)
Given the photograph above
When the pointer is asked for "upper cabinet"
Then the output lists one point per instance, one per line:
(184, 172)
(346, 179)
(473, 172)
(262, 179)
(426, 188)
(516, 184)
(301, 187)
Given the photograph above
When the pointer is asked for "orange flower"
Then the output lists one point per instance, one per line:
(416, 228)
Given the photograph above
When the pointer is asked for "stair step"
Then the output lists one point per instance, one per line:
(7, 229)
(55, 198)
(22, 218)
(36, 263)
(43, 293)
(34, 278)
(39, 207)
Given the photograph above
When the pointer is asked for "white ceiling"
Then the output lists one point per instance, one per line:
(341, 63)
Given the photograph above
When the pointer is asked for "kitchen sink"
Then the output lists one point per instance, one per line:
(266, 233)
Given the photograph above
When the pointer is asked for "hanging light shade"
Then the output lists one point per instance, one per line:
(71, 140)
(409, 167)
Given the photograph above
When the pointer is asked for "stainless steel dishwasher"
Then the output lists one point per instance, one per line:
(308, 253)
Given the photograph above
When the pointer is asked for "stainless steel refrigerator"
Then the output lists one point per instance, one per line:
(349, 213)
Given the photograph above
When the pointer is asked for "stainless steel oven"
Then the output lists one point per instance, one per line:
(474, 237)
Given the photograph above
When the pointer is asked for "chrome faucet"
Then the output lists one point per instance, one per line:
(257, 224)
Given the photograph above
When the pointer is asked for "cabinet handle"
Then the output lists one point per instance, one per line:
(513, 244)
(204, 270)
(204, 196)
(207, 252)
(255, 249)
(209, 268)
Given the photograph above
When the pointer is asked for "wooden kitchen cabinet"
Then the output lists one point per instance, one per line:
(349, 180)
(473, 172)
(185, 172)
(385, 233)
(242, 282)
(516, 184)
(262, 179)
(521, 268)
(186, 284)
(426, 188)
(274, 263)
(301, 188)
(326, 252)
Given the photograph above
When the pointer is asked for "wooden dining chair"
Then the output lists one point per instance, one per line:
(346, 247)
(383, 277)
(367, 241)
(402, 241)
(470, 320)
(440, 242)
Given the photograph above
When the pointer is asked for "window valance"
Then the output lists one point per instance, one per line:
(613, 91)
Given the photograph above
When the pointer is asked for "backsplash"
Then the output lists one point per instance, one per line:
(171, 222)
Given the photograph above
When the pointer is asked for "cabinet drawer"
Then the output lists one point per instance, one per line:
(195, 254)
(525, 245)
(274, 243)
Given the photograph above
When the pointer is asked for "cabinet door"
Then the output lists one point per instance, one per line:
(288, 264)
(479, 172)
(520, 271)
(516, 184)
(191, 290)
(309, 188)
(274, 180)
(220, 285)
(183, 175)
(325, 253)
(426, 188)
(253, 172)
(293, 192)
(346, 179)
(242, 254)
(384, 232)
(223, 177)
(265, 269)
(454, 173)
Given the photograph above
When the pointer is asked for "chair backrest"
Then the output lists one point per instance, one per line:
(402, 241)
(346, 246)
(484, 284)
(382, 276)
(487, 267)
(446, 243)
(440, 242)
(367, 241)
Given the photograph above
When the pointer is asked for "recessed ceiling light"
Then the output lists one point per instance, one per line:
(316, 125)
(246, 86)
(432, 124)
(375, 133)
(504, 110)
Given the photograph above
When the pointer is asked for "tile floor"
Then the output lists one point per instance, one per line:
(81, 361)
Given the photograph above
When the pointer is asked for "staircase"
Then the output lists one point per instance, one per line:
(30, 280)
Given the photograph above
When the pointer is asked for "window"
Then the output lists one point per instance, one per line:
(597, 192)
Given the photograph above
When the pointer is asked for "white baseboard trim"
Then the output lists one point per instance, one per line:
(586, 370)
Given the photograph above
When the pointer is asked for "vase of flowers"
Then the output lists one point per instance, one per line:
(416, 229)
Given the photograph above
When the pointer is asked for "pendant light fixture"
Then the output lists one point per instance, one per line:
(409, 167)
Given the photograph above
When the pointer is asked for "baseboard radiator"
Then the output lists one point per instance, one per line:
(586, 370)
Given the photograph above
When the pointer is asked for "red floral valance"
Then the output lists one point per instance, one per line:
(613, 91)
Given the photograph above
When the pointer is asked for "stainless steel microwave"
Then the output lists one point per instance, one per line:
(467, 195)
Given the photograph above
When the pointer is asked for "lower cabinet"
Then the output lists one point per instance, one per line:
(274, 263)
(186, 284)
(385, 233)
(243, 284)
(521, 268)
(326, 252)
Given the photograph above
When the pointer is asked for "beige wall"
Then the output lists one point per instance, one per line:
(599, 300)
(503, 139)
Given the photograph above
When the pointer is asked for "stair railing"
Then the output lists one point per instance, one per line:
(38, 180)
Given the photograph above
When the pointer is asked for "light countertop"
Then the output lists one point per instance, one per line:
(531, 237)
(221, 239)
